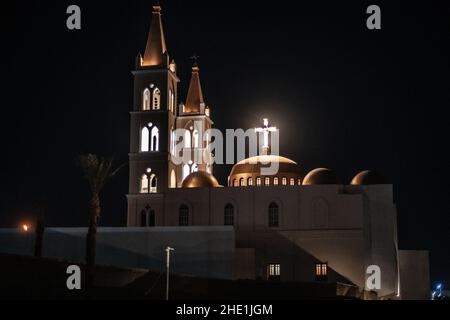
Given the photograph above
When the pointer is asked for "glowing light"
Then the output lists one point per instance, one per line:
(25, 227)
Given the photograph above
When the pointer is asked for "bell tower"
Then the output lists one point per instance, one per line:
(153, 117)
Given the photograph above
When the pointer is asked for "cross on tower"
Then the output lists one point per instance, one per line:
(195, 58)
(266, 130)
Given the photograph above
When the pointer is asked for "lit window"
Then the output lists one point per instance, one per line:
(235, 183)
(187, 139)
(144, 184)
(229, 215)
(273, 215)
(145, 139)
(183, 215)
(250, 182)
(258, 182)
(284, 181)
(155, 139)
(321, 271)
(292, 182)
(172, 99)
(242, 182)
(195, 137)
(156, 99)
(267, 181)
(153, 184)
(275, 181)
(299, 182)
(194, 168)
(186, 171)
(274, 272)
(146, 100)
(170, 102)
(173, 179)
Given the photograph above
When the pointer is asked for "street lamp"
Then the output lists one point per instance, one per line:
(168, 250)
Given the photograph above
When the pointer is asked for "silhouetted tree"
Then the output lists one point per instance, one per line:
(97, 171)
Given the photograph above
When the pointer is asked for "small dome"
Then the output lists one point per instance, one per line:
(200, 179)
(320, 176)
(368, 177)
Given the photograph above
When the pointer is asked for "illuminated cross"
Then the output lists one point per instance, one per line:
(266, 130)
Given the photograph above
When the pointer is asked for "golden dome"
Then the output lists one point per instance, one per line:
(368, 177)
(320, 176)
(250, 170)
(200, 179)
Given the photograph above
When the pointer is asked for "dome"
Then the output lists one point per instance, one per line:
(251, 169)
(368, 177)
(200, 179)
(320, 176)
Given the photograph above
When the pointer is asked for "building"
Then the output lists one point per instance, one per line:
(288, 226)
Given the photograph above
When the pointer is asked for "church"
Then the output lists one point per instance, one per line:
(290, 226)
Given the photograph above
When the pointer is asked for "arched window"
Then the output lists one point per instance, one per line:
(156, 99)
(273, 215)
(146, 100)
(173, 179)
(195, 137)
(151, 219)
(145, 139)
(172, 101)
(154, 184)
(275, 181)
(143, 218)
(229, 215)
(299, 182)
(144, 184)
(183, 215)
(258, 181)
(292, 182)
(235, 183)
(187, 139)
(267, 181)
(194, 168)
(250, 181)
(186, 171)
(242, 182)
(284, 181)
(155, 139)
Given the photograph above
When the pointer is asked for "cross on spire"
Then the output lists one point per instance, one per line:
(266, 130)
(195, 58)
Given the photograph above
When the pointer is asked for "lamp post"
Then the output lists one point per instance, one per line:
(168, 250)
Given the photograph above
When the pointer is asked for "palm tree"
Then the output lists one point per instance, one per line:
(97, 171)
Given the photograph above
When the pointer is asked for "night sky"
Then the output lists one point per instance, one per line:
(344, 97)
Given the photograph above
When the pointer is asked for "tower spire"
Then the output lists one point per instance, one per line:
(194, 101)
(156, 43)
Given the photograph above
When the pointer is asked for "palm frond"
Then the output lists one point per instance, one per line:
(96, 170)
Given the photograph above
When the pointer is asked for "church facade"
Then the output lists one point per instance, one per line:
(288, 226)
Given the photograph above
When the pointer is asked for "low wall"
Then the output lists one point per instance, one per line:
(199, 251)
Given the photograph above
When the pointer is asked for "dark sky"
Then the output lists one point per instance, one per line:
(344, 97)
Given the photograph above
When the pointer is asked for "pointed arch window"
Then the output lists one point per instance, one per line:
(146, 100)
(187, 139)
(195, 138)
(229, 215)
(155, 139)
(173, 179)
(150, 138)
(186, 171)
(144, 184)
(183, 219)
(145, 140)
(156, 99)
(148, 183)
(273, 215)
